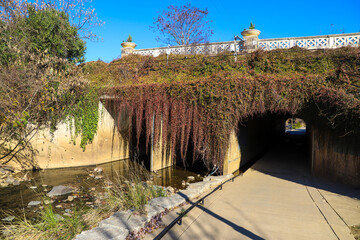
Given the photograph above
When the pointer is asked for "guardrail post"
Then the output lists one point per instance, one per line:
(167, 55)
(331, 42)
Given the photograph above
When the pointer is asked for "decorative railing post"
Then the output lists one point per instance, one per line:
(251, 38)
(128, 48)
(292, 43)
(331, 42)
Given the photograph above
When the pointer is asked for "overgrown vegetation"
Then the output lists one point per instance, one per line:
(198, 100)
(40, 84)
(49, 225)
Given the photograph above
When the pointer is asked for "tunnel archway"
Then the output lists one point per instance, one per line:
(265, 133)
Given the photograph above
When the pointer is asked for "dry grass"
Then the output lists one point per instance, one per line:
(48, 225)
(355, 230)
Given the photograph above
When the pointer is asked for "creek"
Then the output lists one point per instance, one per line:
(16, 198)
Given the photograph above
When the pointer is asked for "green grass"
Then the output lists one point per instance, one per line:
(136, 195)
(133, 193)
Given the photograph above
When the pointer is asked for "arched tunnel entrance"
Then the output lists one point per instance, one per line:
(282, 139)
(286, 144)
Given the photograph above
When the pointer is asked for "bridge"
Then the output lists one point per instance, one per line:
(330, 155)
(324, 153)
(251, 43)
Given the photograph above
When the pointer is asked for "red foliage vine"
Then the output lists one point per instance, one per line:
(203, 111)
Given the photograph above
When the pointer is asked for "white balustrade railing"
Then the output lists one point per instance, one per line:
(314, 42)
(204, 48)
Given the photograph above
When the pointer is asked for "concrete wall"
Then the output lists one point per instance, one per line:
(160, 159)
(57, 151)
(335, 158)
(251, 139)
(233, 155)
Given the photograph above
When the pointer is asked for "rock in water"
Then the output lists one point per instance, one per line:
(16, 182)
(8, 219)
(59, 190)
(34, 203)
(191, 178)
(48, 202)
(98, 170)
(10, 180)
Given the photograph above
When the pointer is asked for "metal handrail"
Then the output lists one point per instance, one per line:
(178, 220)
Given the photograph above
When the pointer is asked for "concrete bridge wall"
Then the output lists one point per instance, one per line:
(332, 157)
(335, 158)
(57, 151)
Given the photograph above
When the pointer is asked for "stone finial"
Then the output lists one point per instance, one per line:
(251, 37)
(128, 48)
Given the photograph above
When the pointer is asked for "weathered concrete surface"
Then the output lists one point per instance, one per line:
(275, 199)
(160, 159)
(336, 157)
(57, 151)
(233, 155)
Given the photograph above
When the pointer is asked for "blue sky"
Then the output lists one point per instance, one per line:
(273, 18)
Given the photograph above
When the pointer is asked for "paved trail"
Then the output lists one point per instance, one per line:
(275, 199)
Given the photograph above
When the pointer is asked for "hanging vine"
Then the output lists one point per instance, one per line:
(200, 100)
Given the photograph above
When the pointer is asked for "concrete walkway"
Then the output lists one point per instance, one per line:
(275, 199)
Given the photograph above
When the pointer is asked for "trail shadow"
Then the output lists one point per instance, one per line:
(236, 227)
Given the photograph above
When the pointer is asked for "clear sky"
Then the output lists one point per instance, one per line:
(273, 18)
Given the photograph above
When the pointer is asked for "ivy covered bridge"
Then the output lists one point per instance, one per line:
(221, 114)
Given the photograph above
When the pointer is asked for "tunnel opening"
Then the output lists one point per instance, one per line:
(191, 161)
(275, 142)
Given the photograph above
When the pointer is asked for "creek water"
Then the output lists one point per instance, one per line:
(15, 198)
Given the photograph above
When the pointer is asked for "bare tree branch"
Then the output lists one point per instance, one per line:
(182, 25)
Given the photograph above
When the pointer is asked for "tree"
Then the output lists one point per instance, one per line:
(182, 25)
(49, 30)
(39, 83)
(42, 29)
(81, 14)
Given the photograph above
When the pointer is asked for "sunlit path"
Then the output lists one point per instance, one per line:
(275, 199)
